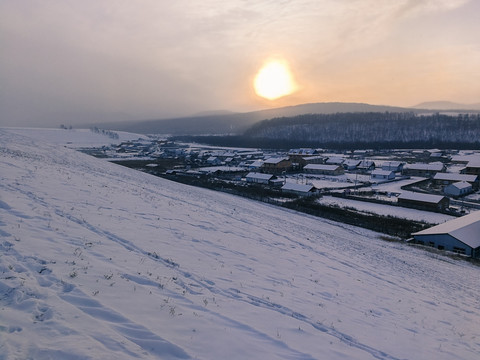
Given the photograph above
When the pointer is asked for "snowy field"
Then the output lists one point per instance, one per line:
(381, 209)
(102, 262)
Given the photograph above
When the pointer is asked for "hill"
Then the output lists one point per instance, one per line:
(103, 262)
(447, 105)
(237, 123)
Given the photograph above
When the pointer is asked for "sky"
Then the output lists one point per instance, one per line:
(74, 62)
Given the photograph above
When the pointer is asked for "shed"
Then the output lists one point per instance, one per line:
(423, 201)
(461, 235)
(258, 178)
(299, 189)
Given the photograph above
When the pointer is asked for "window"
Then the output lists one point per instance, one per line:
(459, 250)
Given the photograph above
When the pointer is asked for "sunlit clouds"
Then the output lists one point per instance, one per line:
(105, 60)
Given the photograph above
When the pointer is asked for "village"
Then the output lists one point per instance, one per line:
(398, 192)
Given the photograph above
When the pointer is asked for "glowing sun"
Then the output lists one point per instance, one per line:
(274, 80)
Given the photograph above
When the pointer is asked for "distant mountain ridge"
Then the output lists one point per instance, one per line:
(237, 123)
(446, 105)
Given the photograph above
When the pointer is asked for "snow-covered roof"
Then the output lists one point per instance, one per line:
(298, 187)
(351, 162)
(455, 177)
(321, 167)
(474, 163)
(430, 167)
(392, 164)
(465, 229)
(335, 160)
(461, 185)
(427, 198)
(274, 160)
(255, 175)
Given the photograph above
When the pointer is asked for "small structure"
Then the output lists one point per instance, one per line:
(298, 189)
(213, 160)
(383, 175)
(324, 169)
(334, 160)
(423, 201)
(258, 178)
(424, 170)
(351, 164)
(395, 166)
(366, 165)
(460, 235)
(457, 189)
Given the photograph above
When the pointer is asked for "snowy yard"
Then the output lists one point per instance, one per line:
(381, 209)
(99, 261)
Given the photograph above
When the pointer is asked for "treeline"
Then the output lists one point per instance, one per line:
(394, 129)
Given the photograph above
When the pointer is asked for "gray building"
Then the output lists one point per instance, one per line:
(461, 235)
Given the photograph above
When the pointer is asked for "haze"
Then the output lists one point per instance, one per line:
(78, 62)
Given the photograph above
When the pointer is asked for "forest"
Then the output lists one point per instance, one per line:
(359, 131)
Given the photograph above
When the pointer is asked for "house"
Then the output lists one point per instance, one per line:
(258, 178)
(366, 165)
(276, 165)
(382, 175)
(298, 189)
(321, 169)
(213, 160)
(460, 235)
(298, 155)
(423, 201)
(473, 168)
(395, 166)
(456, 189)
(424, 170)
(450, 178)
(351, 164)
(313, 160)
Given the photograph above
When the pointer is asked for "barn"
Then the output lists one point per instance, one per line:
(461, 235)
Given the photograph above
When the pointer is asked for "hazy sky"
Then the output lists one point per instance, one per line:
(65, 61)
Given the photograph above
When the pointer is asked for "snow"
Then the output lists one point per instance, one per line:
(102, 262)
(74, 137)
(387, 210)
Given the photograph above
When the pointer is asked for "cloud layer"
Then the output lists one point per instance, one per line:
(89, 60)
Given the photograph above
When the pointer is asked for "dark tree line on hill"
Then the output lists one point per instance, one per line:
(371, 128)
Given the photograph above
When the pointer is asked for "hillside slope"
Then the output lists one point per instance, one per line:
(103, 262)
(237, 123)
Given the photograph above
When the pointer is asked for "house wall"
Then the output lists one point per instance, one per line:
(445, 242)
(443, 204)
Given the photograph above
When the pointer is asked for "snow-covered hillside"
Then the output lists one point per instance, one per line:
(102, 262)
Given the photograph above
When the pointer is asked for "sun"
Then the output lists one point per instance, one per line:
(274, 80)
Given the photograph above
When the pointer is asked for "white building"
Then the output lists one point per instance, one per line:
(461, 235)
(458, 189)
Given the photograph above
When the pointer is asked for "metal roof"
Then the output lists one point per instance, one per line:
(455, 177)
(297, 187)
(321, 167)
(427, 198)
(254, 175)
(465, 229)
